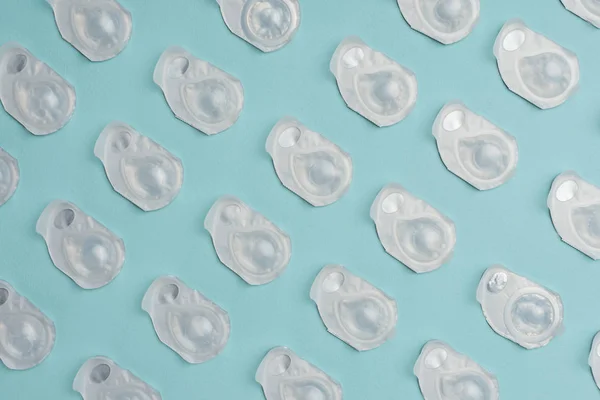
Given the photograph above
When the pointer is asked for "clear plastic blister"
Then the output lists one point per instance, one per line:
(9, 176)
(352, 309)
(185, 320)
(518, 309)
(372, 84)
(534, 67)
(412, 231)
(246, 242)
(446, 21)
(100, 378)
(98, 29)
(199, 94)
(575, 211)
(138, 168)
(308, 164)
(32, 92)
(594, 359)
(473, 148)
(26, 334)
(588, 10)
(82, 248)
(445, 374)
(283, 375)
(266, 24)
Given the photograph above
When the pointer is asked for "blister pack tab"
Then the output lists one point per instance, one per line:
(266, 24)
(198, 93)
(186, 321)
(518, 309)
(26, 334)
(9, 176)
(100, 378)
(352, 309)
(246, 242)
(308, 164)
(412, 231)
(534, 67)
(588, 10)
(81, 247)
(473, 148)
(446, 21)
(594, 359)
(372, 84)
(283, 375)
(575, 211)
(98, 29)
(445, 374)
(32, 92)
(138, 168)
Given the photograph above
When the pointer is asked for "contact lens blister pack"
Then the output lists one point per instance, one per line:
(266, 24)
(185, 320)
(100, 378)
(534, 67)
(412, 231)
(26, 334)
(81, 247)
(98, 29)
(372, 84)
(473, 148)
(283, 375)
(32, 92)
(246, 242)
(9, 176)
(518, 309)
(199, 94)
(445, 374)
(574, 206)
(588, 10)
(446, 21)
(308, 164)
(352, 309)
(138, 168)
(594, 359)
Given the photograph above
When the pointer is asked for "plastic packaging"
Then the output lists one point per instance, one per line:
(283, 375)
(412, 231)
(352, 309)
(82, 248)
(575, 211)
(138, 168)
(588, 10)
(266, 24)
(198, 93)
(9, 176)
(246, 242)
(594, 359)
(473, 148)
(534, 67)
(372, 84)
(32, 92)
(518, 309)
(26, 334)
(190, 324)
(308, 164)
(98, 29)
(446, 21)
(445, 374)
(100, 378)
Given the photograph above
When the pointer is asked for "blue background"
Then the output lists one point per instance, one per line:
(508, 225)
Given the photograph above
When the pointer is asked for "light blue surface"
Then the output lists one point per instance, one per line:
(508, 225)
